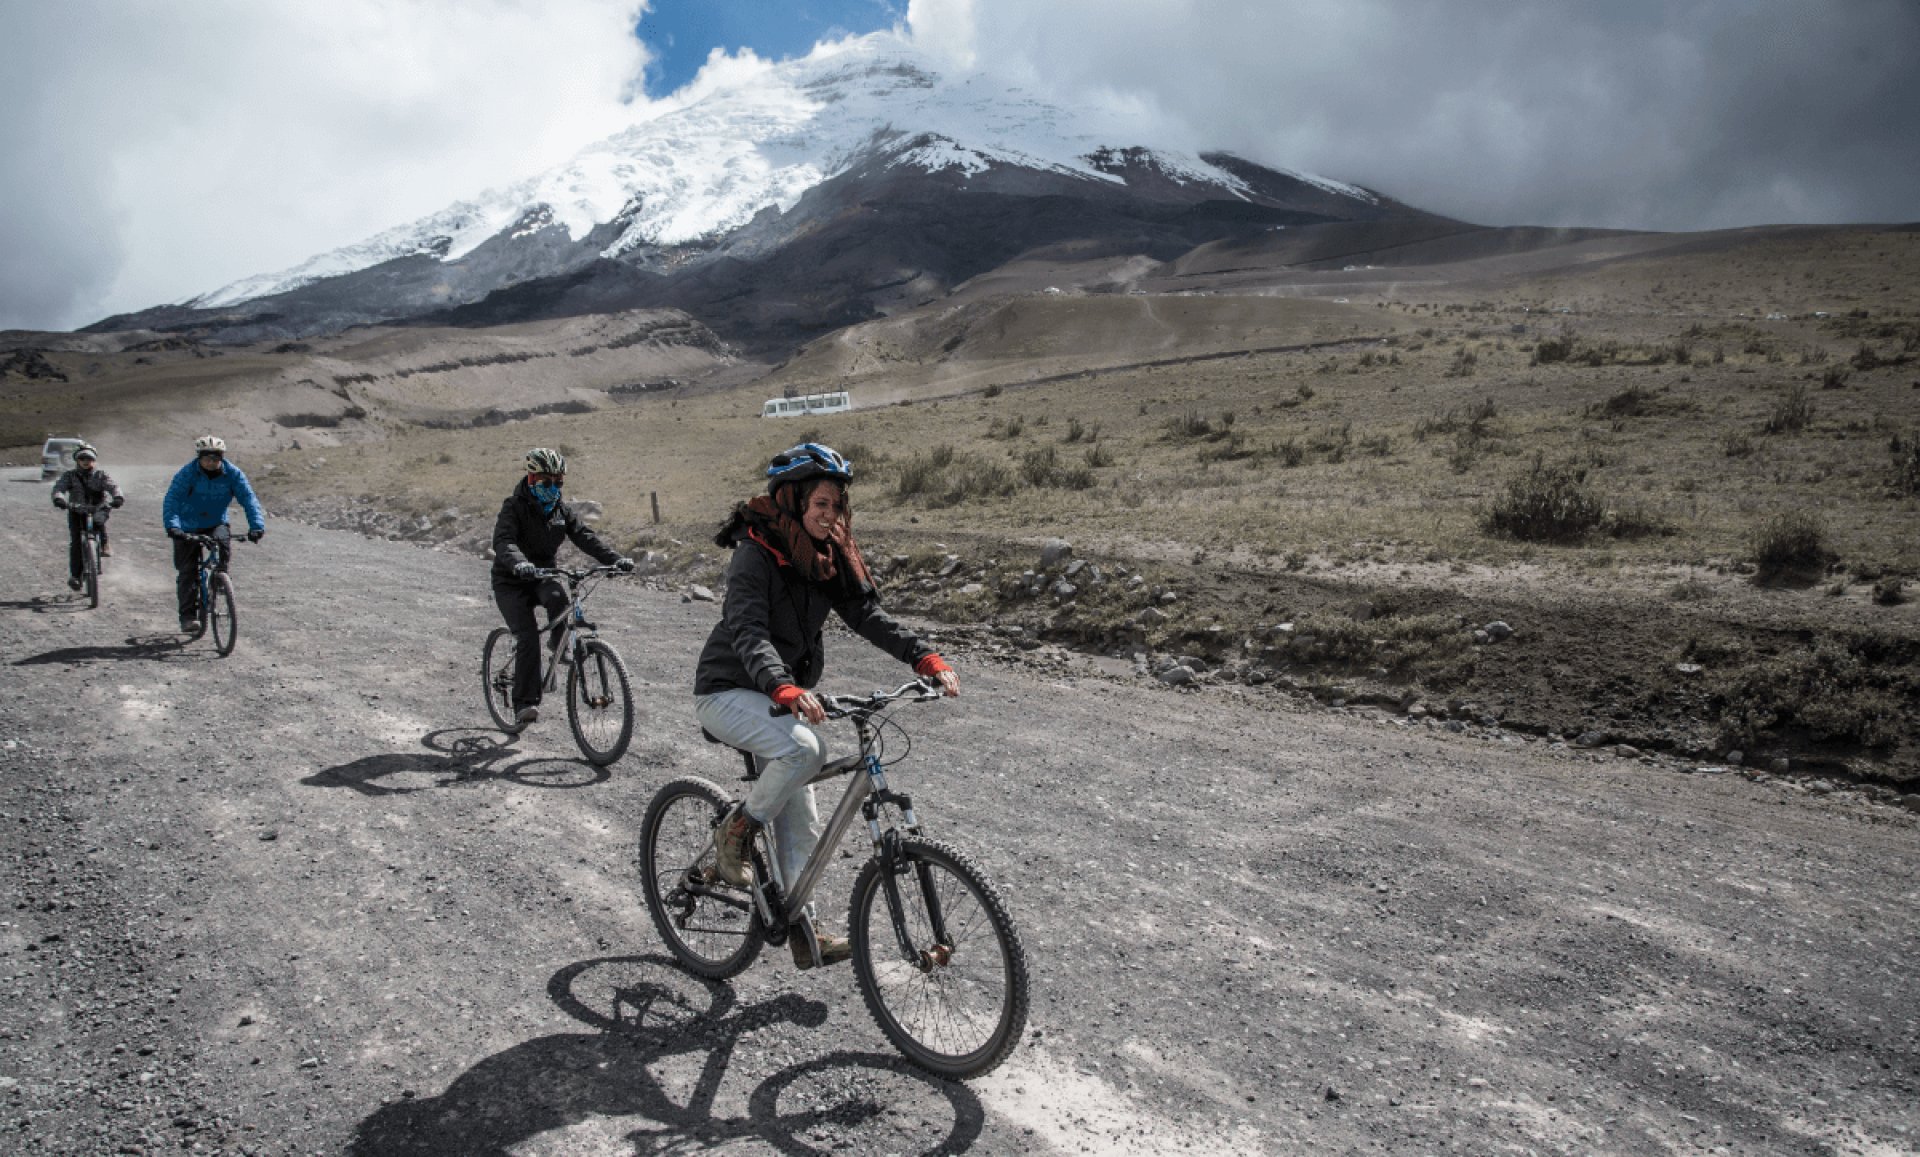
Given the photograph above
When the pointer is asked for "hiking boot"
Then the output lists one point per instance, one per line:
(833, 949)
(190, 625)
(73, 584)
(526, 715)
(106, 551)
(730, 841)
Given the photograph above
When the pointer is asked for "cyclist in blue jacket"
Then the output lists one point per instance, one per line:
(196, 503)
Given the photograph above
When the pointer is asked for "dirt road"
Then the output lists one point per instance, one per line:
(301, 900)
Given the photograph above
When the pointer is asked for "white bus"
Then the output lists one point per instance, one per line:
(833, 402)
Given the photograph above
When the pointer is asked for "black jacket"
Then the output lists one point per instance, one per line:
(769, 631)
(525, 533)
(92, 488)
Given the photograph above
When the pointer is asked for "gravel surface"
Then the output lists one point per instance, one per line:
(302, 900)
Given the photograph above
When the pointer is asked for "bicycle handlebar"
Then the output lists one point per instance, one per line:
(575, 576)
(843, 706)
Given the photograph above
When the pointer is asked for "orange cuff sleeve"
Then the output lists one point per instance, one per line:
(930, 665)
(786, 693)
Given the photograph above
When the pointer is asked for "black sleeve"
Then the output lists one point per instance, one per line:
(864, 615)
(747, 615)
(583, 537)
(506, 537)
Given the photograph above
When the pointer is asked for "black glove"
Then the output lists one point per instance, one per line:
(256, 534)
(119, 500)
(60, 500)
(624, 564)
(525, 571)
(175, 532)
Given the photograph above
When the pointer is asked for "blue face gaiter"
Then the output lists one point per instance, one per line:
(547, 494)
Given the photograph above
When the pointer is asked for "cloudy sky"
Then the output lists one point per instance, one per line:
(151, 150)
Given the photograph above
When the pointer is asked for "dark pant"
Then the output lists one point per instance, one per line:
(77, 530)
(186, 565)
(517, 602)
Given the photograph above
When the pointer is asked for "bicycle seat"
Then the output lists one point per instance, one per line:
(746, 757)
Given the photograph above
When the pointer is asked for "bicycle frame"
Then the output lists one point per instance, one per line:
(209, 563)
(866, 796)
(580, 586)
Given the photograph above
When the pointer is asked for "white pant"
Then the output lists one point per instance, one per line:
(789, 753)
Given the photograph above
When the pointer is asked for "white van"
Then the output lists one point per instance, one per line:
(56, 457)
(832, 402)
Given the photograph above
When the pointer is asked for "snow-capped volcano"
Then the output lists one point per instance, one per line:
(863, 147)
(702, 171)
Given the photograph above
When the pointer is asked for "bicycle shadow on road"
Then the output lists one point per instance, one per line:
(650, 1014)
(456, 757)
(153, 648)
(43, 604)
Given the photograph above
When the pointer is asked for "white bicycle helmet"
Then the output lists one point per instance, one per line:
(210, 442)
(85, 450)
(541, 460)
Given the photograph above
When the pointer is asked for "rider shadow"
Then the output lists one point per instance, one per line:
(154, 648)
(655, 1025)
(456, 757)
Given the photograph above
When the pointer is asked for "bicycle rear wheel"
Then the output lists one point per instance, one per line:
(496, 677)
(221, 616)
(599, 702)
(90, 560)
(710, 927)
(954, 997)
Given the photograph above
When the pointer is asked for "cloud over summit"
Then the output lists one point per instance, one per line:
(153, 152)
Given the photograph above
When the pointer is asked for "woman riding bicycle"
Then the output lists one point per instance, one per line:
(794, 559)
(533, 523)
(85, 485)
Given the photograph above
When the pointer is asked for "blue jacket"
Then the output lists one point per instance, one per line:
(197, 500)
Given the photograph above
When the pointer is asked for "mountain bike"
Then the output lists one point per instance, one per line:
(92, 562)
(935, 951)
(599, 695)
(216, 596)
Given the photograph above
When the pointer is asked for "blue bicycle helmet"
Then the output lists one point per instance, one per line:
(805, 462)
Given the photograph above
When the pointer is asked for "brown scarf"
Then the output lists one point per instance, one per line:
(774, 522)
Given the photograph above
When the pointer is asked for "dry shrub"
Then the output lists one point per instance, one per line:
(1791, 414)
(1546, 503)
(1906, 463)
(1790, 545)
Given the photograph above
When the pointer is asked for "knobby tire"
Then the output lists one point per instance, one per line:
(959, 1008)
(599, 702)
(708, 937)
(221, 616)
(496, 677)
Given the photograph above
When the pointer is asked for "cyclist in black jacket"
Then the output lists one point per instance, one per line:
(85, 485)
(533, 523)
(794, 562)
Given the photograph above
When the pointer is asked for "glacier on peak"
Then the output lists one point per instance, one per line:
(707, 167)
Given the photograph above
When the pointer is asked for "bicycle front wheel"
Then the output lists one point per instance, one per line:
(90, 558)
(953, 997)
(599, 702)
(710, 927)
(496, 677)
(221, 617)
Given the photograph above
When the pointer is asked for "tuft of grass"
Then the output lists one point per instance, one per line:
(1791, 414)
(1790, 545)
(1890, 591)
(1546, 503)
(1906, 463)
(1736, 444)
